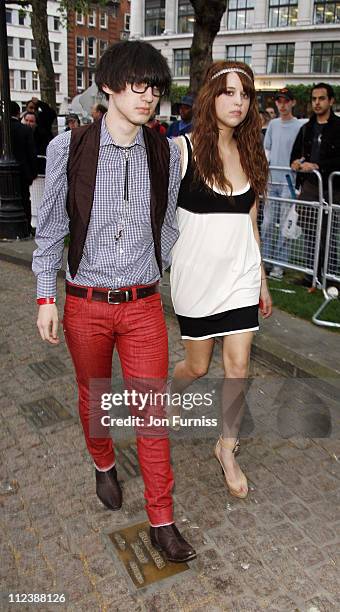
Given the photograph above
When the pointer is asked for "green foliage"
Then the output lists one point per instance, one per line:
(177, 92)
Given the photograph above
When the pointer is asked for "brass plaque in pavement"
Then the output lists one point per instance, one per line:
(144, 564)
(45, 412)
(49, 368)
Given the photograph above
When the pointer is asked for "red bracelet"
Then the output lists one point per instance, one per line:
(50, 300)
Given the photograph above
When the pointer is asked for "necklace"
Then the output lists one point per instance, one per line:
(121, 223)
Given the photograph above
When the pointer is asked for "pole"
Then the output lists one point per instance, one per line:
(13, 223)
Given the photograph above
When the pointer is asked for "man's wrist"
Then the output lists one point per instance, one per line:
(46, 300)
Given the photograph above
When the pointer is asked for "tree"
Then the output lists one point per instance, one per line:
(43, 57)
(208, 14)
(39, 22)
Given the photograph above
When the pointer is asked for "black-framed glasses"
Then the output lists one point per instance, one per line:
(141, 88)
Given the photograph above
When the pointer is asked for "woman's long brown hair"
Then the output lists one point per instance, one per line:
(205, 133)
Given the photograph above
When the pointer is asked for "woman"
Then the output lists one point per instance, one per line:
(217, 279)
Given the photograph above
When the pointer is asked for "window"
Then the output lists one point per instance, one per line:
(91, 77)
(325, 57)
(23, 81)
(103, 45)
(79, 18)
(57, 82)
(240, 14)
(80, 79)
(239, 53)
(326, 12)
(35, 81)
(127, 22)
(182, 62)
(8, 16)
(56, 52)
(33, 50)
(92, 47)
(280, 58)
(186, 17)
(10, 46)
(91, 18)
(154, 17)
(56, 24)
(21, 18)
(80, 46)
(103, 20)
(282, 13)
(11, 79)
(22, 53)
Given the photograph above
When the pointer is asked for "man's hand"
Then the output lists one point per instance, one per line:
(48, 323)
(308, 167)
(296, 165)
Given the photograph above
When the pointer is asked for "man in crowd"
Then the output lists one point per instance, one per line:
(98, 111)
(113, 185)
(278, 143)
(265, 120)
(317, 147)
(271, 112)
(72, 122)
(23, 150)
(46, 116)
(184, 124)
(154, 124)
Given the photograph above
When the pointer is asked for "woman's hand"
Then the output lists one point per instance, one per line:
(265, 303)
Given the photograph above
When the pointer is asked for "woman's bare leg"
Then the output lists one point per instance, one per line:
(236, 355)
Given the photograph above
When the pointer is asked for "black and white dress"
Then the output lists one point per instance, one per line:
(216, 262)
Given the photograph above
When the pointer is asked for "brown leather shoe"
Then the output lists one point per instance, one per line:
(108, 489)
(168, 540)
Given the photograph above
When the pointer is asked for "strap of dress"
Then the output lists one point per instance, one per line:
(189, 151)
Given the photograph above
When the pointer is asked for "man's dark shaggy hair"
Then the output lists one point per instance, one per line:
(133, 62)
(327, 87)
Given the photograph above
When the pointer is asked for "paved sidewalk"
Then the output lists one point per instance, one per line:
(278, 550)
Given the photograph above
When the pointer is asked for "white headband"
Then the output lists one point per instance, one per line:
(226, 70)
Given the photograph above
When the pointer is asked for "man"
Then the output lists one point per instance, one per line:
(23, 150)
(72, 122)
(120, 184)
(317, 147)
(98, 111)
(46, 116)
(265, 120)
(154, 124)
(184, 124)
(278, 143)
(29, 118)
(271, 112)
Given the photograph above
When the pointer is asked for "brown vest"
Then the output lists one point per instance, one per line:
(82, 172)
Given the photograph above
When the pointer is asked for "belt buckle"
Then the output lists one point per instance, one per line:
(115, 291)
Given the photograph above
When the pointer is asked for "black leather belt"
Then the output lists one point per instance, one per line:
(112, 296)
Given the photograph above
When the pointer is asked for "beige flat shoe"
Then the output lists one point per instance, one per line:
(242, 492)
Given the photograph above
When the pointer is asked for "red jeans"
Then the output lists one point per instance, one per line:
(137, 328)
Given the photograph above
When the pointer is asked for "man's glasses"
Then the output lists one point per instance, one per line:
(142, 87)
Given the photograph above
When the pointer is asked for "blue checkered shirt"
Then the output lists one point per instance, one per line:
(105, 262)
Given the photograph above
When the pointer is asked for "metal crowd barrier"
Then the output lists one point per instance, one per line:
(37, 192)
(300, 250)
(331, 267)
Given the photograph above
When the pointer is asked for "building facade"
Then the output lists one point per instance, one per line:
(23, 74)
(89, 36)
(285, 41)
